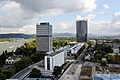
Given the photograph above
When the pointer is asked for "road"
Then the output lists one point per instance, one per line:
(77, 61)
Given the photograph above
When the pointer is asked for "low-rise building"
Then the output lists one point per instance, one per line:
(73, 72)
(12, 59)
(116, 50)
(108, 73)
(56, 58)
(74, 47)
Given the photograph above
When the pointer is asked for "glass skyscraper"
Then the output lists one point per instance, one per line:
(81, 30)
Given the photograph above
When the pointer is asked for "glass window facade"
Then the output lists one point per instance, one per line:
(48, 63)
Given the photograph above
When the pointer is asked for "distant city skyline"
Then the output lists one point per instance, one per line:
(17, 16)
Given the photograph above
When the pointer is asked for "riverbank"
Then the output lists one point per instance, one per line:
(11, 46)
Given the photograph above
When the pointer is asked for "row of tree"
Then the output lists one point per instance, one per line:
(60, 42)
(27, 49)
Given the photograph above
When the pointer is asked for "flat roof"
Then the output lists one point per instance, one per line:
(56, 52)
(72, 69)
(65, 47)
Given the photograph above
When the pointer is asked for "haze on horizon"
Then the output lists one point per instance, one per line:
(21, 16)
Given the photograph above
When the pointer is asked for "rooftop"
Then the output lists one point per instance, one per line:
(73, 69)
(86, 71)
(45, 23)
(107, 70)
(57, 51)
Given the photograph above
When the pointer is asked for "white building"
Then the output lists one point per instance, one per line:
(12, 60)
(75, 47)
(56, 58)
(9, 61)
(116, 50)
(44, 37)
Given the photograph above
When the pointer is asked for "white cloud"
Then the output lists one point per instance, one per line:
(66, 5)
(111, 27)
(10, 14)
(87, 17)
(28, 29)
(78, 17)
(17, 13)
(64, 27)
(106, 6)
(117, 14)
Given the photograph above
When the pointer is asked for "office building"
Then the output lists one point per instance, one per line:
(44, 37)
(81, 30)
(56, 58)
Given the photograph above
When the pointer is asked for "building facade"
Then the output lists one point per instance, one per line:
(81, 30)
(75, 47)
(44, 37)
(57, 58)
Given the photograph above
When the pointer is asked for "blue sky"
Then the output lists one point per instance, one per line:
(21, 16)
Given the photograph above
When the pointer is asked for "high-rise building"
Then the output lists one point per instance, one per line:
(81, 30)
(44, 37)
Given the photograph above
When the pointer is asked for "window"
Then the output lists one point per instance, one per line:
(48, 63)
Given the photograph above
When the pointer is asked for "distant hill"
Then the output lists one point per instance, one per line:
(64, 35)
(89, 35)
(17, 35)
(20, 35)
(69, 35)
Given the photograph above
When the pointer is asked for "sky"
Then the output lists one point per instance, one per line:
(21, 16)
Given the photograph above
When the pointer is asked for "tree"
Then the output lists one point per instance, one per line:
(57, 71)
(90, 43)
(75, 56)
(111, 59)
(8, 72)
(103, 47)
(103, 63)
(35, 73)
(23, 63)
(2, 76)
(98, 56)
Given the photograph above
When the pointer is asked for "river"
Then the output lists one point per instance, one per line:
(9, 46)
